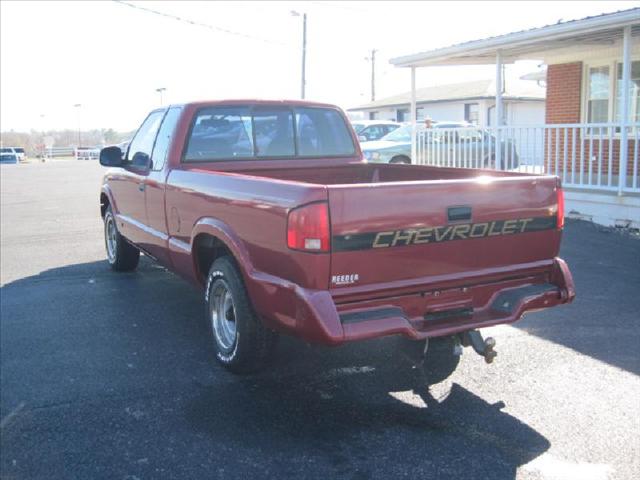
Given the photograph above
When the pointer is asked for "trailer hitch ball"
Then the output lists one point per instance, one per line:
(489, 353)
(484, 348)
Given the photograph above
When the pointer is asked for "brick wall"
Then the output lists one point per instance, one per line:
(582, 154)
(563, 105)
(563, 93)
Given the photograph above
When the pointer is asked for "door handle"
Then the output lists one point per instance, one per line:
(141, 186)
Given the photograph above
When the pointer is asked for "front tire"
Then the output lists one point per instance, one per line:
(122, 256)
(243, 344)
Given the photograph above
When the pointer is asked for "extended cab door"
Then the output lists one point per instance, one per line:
(155, 186)
(128, 185)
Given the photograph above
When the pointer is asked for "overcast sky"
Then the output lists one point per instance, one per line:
(111, 57)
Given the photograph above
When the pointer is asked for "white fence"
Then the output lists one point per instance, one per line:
(589, 156)
(87, 153)
(51, 152)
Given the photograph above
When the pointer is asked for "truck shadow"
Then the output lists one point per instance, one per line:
(603, 321)
(358, 411)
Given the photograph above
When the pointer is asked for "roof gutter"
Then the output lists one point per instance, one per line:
(551, 32)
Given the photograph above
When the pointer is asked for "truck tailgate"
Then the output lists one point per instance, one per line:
(387, 234)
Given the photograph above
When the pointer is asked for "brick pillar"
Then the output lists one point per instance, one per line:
(564, 85)
(564, 82)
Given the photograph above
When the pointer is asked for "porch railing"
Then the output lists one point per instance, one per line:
(587, 156)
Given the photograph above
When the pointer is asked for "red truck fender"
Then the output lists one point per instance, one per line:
(288, 304)
(220, 230)
(106, 192)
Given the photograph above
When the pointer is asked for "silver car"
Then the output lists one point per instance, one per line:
(445, 144)
(370, 130)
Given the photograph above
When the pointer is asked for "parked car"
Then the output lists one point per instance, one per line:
(446, 141)
(17, 151)
(287, 230)
(369, 130)
(87, 153)
(6, 157)
(394, 147)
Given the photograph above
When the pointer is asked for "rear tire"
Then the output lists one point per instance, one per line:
(122, 256)
(401, 159)
(243, 344)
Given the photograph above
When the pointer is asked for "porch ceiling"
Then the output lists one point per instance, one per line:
(530, 44)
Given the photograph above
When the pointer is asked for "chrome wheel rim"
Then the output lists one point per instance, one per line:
(223, 315)
(110, 234)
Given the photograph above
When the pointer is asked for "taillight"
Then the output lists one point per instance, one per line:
(560, 219)
(308, 228)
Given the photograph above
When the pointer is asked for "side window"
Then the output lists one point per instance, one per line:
(142, 144)
(377, 132)
(274, 133)
(390, 128)
(161, 148)
(221, 133)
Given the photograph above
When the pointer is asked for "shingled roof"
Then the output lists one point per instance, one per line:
(476, 90)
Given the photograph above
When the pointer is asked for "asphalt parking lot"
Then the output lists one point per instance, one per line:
(107, 375)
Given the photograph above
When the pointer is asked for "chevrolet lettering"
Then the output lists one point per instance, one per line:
(465, 231)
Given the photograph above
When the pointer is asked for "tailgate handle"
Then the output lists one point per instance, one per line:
(459, 214)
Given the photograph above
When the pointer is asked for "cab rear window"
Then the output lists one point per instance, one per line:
(237, 133)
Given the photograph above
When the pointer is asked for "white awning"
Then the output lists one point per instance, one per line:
(529, 44)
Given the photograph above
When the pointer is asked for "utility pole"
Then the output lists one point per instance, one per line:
(372, 58)
(304, 51)
(44, 147)
(160, 90)
(78, 105)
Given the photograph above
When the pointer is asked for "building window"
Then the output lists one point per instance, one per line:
(471, 113)
(373, 115)
(598, 99)
(402, 114)
(603, 93)
(634, 93)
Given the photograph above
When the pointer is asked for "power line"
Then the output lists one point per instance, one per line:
(200, 24)
(341, 6)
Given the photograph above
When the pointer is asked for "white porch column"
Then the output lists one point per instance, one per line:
(414, 125)
(624, 108)
(498, 146)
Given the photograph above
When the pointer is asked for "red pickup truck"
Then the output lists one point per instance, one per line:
(269, 207)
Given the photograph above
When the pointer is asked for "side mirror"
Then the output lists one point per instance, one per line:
(111, 157)
(363, 138)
